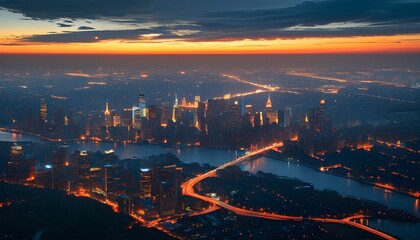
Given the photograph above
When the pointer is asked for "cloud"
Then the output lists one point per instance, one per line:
(88, 9)
(63, 25)
(101, 35)
(85, 28)
(319, 19)
(219, 20)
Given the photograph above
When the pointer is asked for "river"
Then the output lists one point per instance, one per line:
(217, 157)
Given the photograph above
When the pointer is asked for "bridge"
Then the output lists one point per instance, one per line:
(188, 190)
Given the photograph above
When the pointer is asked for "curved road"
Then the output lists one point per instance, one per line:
(188, 190)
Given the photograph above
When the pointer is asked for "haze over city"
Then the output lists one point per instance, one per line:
(209, 119)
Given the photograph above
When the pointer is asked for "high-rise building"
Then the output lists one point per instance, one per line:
(15, 164)
(166, 184)
(108, 117)
(142, 106)
(197, 99)
(154, 117)
(43, 114)
(281, 115)
(287, 117)
(83, 167)
(29, 167)
(234, 116)
(257, 119)
(176, 114)
(268, 104)
(201, 117)
(113, 180)
(145, 182)
(166, 114)
(126, 118)
(271, 117)
(116, 120)
(60, 161)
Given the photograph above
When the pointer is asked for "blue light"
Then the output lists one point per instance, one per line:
(48, 166)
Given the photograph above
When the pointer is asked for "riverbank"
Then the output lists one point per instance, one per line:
(383, 186)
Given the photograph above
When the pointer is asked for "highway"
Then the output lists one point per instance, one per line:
(188, 190)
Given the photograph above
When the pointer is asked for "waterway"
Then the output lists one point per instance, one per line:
(216, 157)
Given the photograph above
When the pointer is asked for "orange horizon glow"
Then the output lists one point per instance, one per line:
(341, 45)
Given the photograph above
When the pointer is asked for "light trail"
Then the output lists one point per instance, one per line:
(310, 75)
(266, 87)
(229, 96)
(386, 98)
(270, 88)
(188, 190)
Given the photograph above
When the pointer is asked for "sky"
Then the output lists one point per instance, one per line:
(209, 27)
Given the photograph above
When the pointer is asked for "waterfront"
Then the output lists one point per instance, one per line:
(217, 157)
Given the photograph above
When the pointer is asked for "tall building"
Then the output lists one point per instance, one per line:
(15, 164)
(268, 104)
(234, 117)
(142, 106)
(287, 117)
(166, 114)
(116, 121)
(176, 114)
(145, 182)
(281, 115)
(166, 184)
(126, 118)
(197, 100)
(201, 117)
(83, 167)
(154, 117)
(113, 180)
(108, 117)
(271, 117)
(60, 161)
(43, 114)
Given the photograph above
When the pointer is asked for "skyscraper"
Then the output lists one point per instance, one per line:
(142, 106)
(176, 114)
(166, 184)
(145, 182)
(15, 163)
(287, 117)
(281, 115)
(83, 167)
(43, 114)
(197, 99)
(201, 117)
(268, 104)
(60, 161)
(108, 117)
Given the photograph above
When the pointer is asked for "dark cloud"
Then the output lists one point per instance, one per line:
(68, 21)
(256, 19)
(99, 35)
(373, 17)
(85, 28)
(64, 25)
(89, 9)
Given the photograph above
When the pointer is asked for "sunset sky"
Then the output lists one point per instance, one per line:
(216, 26)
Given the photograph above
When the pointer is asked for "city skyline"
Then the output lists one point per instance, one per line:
(223, 119)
